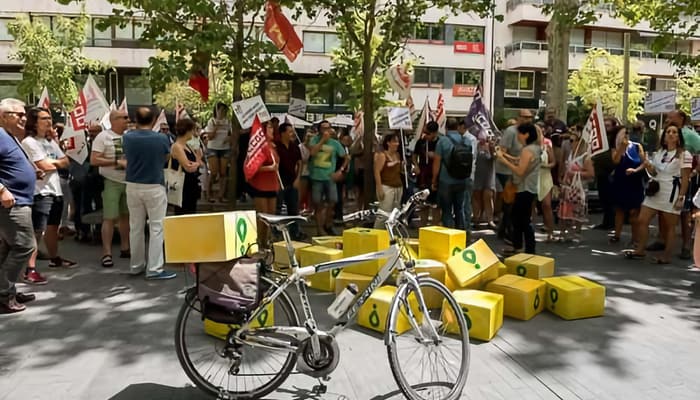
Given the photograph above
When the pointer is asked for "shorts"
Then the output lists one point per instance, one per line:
(262, 194)
(114, 200)
(324, 190)
(47, 210)
(213, 153)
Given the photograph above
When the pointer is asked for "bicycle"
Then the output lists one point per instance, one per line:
(315, 352)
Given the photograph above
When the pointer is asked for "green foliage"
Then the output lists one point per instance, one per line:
(52, 58)
(601, 77)
(687, 87)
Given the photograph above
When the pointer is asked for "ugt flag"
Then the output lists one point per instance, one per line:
(257, 148)
(594, 132)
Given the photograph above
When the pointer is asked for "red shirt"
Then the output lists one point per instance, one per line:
(267, 181)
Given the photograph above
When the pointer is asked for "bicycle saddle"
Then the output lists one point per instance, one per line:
(278, 220)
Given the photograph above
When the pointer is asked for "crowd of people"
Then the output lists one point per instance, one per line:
(501, 183)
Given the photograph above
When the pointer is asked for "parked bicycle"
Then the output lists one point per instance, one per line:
(250, 359)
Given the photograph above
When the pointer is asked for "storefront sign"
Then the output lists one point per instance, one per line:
(463, 90)
(469, 47)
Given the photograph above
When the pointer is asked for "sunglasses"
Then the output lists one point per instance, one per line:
(18, 114)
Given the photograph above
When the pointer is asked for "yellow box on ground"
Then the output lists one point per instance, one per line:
(334, 242)
(358, 241)
(440, 243)
(312, 255)
(502, 269)
(530, 266)
(345, 278)
(280, 251)
(213, 237)
(414, 244)
(374, 312)
(410, 251)
(523, 298)
(436, 270)
(483, 311)
(473, 267)
(574, 297)
(218, 330)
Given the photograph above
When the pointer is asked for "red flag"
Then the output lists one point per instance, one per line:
(441, 118)
(257, 148)
(200, 83)
(281, 32)
(77, 116)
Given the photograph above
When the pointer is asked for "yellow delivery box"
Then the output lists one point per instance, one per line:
(334, 242)
(439, 243)
(214, 237)
(574, 297)
(374, 312)
(483, 311)
(313, 255)
(530, 266)
(523, 298)
(344, 278)
(502, 269)
(473, 267)
(218, 330)
(436, 270)
(358, 241)
(282, 261)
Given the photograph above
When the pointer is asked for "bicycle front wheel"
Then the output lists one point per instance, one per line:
(428, 348)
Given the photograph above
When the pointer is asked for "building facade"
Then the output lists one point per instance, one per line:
(451, 57)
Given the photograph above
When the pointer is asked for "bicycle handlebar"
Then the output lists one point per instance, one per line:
(395, 214)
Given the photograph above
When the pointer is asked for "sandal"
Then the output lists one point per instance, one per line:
(58, 262)
(107, 261)
(659, 260)
(631, 255)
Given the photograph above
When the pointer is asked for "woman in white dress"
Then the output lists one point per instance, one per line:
(670, 167)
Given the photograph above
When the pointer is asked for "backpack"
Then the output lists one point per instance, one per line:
(228, 290)
(459, 162)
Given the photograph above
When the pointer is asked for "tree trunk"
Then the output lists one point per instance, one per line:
(237, 95)
(368, 109)
(558, 38)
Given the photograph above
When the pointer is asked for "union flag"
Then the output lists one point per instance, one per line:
(281, 32)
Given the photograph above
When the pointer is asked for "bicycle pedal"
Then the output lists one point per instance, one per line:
(319, 389)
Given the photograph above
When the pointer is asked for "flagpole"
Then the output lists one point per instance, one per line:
(405, 164)
(277, 171)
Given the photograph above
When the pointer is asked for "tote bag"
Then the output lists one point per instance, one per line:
(174, 183)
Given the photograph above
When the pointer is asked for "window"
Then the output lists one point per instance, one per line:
(607, 40)
(124, 33)
(4, 33)
(44, 19)
(320, 42)
(429, 76)
(467, 77)
(430, 32)
(469, 34)
(103, 38)
(137, 90)
(519, 84)
(316, 94)
(9, 81)
(278, 92)
(665, 84)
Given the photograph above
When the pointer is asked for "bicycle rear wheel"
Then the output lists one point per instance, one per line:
(425, 366)
(226, 370)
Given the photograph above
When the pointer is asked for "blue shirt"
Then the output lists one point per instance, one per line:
(444, 149)
(322, 164)
(146, 153)
(17, 174)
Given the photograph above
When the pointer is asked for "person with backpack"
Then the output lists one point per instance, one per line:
(452, 167)
(473, 143)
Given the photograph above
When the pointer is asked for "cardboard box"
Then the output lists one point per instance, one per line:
(373, 314)
(220, 331)
(334, 242)
(523, 297)
(214, 237)
(473, 267)
(312, 255)
(530, 266)
(502, 269)
(358, 241)
(282, 256)
(439, 243)
(345, 278)
(483, 311)
(414, 244)
(574, 297)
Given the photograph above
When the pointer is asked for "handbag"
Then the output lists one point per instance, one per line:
(228, 290)
(174, 183)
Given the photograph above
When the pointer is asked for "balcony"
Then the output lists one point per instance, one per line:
(518, 11)
(533, 56)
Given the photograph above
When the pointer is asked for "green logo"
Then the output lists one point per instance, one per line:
(537, 300)
(465, 311)
(521, 270)
(262, 317)
(456, 250)
(335, 272)
(242, 231)
(374, 317)
(363, 231)
(469, 256)
(554, 296)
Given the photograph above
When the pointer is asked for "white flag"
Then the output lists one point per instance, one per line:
(75, 143)
(44, 100)
(441, 117)
(160, 120)
(124, 107)
(106, 125)
(423, 119)
(400, 79)
(594, 131)
(95, 103)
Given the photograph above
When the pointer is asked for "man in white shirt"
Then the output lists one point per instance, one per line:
(474, 143)
(48, 194)
(107, 154)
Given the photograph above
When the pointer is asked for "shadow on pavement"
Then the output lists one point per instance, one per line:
(154, 391)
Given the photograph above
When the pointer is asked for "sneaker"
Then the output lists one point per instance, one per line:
(33, 277)
(163, 275)
(24, 298)
(11, 306)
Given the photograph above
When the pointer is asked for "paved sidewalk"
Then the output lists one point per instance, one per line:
(100, 334)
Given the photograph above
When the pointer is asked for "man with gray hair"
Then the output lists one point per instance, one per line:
(17, 180)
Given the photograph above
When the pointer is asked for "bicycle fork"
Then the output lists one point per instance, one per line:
(407, 282)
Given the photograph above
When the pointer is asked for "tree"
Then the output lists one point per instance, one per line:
(687, 88)
(374, 33)
(52, 58)
(601, 77)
